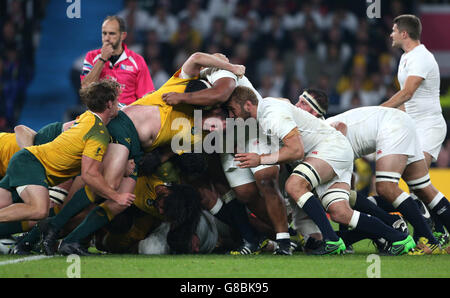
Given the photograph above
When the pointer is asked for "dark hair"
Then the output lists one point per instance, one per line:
(409, 23)
(122, 24)
(191, 163)
(195, 85)
(182, 208)
(149, 162)
(97, 94)
(320, 96)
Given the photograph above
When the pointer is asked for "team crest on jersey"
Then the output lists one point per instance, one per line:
(126, 67)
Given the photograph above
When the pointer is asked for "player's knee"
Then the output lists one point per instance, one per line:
(340, 214)
(246, 193)
(267, 184)
(386, 189)
(40, 212)
(295, 187)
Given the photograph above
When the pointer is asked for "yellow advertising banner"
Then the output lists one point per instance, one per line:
(440, 179)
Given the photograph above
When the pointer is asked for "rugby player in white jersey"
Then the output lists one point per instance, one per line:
(326, 164)
(247, 184)
(419, 78)
(391, 135)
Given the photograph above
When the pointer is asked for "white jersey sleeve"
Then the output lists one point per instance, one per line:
(425, 101)
(420, 67)
(274, 118)
(213, 74)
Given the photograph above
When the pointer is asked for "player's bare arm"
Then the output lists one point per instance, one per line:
(196, 61)
(292, 149)
(402, 96)
(91, 174)
(220, 91)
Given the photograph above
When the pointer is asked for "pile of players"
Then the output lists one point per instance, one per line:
(126, 181)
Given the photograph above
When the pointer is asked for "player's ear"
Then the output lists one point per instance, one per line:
(404, 34)
(247, 105)
(123, 36)
(109, 104)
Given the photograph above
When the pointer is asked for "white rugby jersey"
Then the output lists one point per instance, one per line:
(421, 62)
(277, 118)
(364, 124)
(213, 74)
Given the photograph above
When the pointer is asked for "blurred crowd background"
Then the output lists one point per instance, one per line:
(286, 45)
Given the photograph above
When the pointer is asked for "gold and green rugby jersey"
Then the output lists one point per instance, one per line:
(8, 146)
(175, 120)
(146, 194)
(61, 158)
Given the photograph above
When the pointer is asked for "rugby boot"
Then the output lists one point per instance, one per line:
(330, 248)
(402, 247)
(72, 248)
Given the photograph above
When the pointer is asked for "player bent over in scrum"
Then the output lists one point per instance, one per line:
(326, 166)
(390, 133)
(77, 150)
(10, 143)
(142, 126)
(256, 187)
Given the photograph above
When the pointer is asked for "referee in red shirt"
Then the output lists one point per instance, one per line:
(115, 61)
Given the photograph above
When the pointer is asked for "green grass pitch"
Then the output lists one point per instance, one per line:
(226, 266)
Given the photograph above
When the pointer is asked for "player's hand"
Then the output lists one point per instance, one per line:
(125, 199)
(238, 70)
(106, 51)
(221, 56)
(248, 160)
(172, 98)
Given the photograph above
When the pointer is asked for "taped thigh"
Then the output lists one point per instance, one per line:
(381, 176)
(334, 195)
(419, 183)
(307, 172)
(57, 194)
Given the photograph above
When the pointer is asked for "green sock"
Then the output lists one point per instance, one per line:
(78, 202)
(96, 219)
(51, 212)
(9, 228)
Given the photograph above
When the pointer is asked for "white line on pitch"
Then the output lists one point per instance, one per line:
(27, 259)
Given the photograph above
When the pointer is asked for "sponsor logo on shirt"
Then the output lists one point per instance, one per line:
(127, 67)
